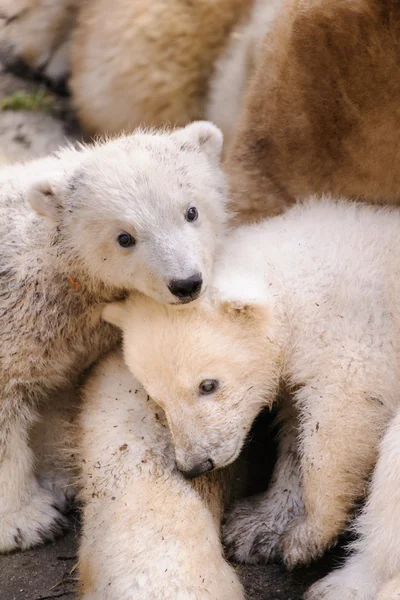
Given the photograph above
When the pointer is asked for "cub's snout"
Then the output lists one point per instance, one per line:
(198, 469)
(187, 289)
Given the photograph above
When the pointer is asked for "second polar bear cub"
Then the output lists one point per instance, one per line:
(310, 299)
(141, 212)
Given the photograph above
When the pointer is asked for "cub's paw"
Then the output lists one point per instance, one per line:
(302, 542)
(345, 584)
(59, 484)
(34, 522)
(252, 530)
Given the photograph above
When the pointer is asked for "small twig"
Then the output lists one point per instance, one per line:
(54, 596)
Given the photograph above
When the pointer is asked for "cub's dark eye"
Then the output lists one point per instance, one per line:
(208, 386)
(125, 240)
(192, 214)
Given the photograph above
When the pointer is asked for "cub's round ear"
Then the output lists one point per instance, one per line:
(246, 310)
(44, 200)
(240, 295)
(115, 313)
(206, 136)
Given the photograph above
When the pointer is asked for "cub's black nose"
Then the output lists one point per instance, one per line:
(186, 288)
(204, 467)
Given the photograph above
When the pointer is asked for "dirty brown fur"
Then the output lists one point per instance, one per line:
(322, 113)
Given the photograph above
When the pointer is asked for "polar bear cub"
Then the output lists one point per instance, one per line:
(309, 298)
(141, 212)
(147, 532)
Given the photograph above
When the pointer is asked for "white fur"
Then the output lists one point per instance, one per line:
(38, 510)
(310, 297)
(143, 185)
(236, 65)
(375, 562)
(147, 532)
(60, 263)
(390, 591)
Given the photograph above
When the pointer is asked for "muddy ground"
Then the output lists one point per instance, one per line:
(50, 572)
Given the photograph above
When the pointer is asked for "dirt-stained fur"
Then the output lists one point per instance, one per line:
(322, 111)
(308, 298)
(372, 572)
(147, 532)
(79, 229)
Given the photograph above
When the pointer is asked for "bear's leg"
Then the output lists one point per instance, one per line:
(376, 558)
(340, 428)
(157, 539)
(29, 514)
(255, 525)
(50, 440)
(147, 532)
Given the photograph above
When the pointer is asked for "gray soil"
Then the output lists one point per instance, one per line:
(50, 571)
(43, 573)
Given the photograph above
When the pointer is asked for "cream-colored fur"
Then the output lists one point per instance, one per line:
(148, 534)
(152, 63)
(234, 68)
(373, 570)
(390, 591)
(37, 32)
(4, 160)
(310, 298)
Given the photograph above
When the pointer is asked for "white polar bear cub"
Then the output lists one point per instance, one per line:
(309, 298)
(148, 534)
(79, 229)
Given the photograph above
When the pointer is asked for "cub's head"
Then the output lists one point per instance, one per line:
(143, 211)
(211, 368)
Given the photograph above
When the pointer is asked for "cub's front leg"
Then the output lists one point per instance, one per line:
(340, 427)
(373, 570)
(29, 513)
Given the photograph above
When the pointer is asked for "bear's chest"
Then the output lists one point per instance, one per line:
(51, 331)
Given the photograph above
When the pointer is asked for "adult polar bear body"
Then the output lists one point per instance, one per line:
(59, 265)
(309, 298)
